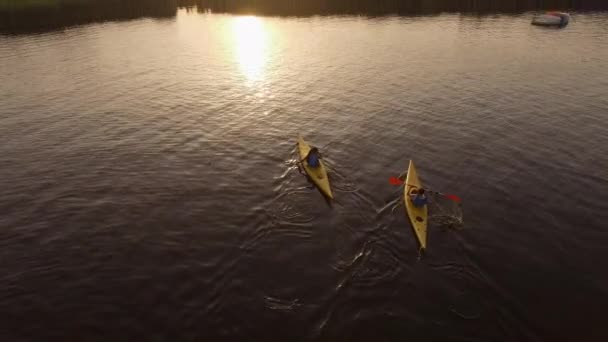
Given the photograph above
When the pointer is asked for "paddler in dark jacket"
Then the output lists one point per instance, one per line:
(419, 198)
(313, 158)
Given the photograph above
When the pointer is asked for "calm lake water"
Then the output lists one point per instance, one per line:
(149, 192)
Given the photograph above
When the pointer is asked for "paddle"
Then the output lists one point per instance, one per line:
(399, 181)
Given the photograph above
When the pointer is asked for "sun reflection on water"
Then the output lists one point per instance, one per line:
(250, 42)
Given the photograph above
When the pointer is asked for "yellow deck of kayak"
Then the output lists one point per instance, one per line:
(418, 216)
(319, 174)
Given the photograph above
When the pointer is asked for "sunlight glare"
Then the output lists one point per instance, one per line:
(250, 39)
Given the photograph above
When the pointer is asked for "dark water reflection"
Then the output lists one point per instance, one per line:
(55, 14)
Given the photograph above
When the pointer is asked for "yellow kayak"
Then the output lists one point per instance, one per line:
(418, 216)
(319, 174)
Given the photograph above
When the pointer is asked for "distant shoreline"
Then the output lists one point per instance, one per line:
(24, 16)
(321, 6)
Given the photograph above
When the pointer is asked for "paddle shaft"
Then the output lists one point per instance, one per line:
(452, 197)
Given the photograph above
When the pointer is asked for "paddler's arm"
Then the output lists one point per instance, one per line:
(303, 159)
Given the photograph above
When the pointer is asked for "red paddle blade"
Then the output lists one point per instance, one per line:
(453, 197)
(395, 181)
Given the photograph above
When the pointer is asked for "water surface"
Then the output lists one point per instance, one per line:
(149, 191)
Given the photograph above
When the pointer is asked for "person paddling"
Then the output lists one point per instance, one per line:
(313, 158)
(419, 198)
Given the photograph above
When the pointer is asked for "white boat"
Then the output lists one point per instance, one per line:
(552, 19)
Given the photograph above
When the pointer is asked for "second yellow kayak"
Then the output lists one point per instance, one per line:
(418, 216)
(317, 175)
